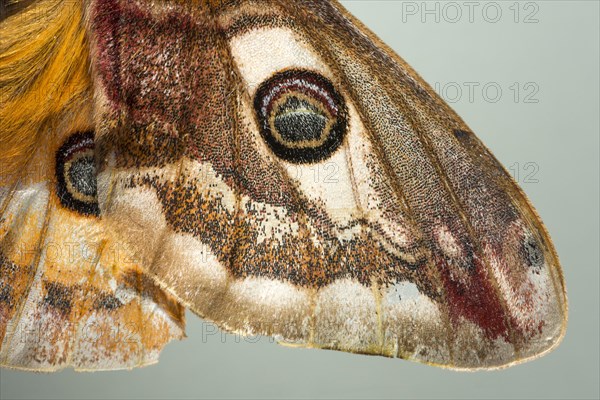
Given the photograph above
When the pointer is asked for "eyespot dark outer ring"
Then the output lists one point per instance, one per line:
(77, 142)
(338, 110)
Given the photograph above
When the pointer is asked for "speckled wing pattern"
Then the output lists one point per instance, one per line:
(212, 118)
(71, 294)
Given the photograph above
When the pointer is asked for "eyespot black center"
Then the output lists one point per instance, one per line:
(76, 174)
(299, 121)
(82, 175)
(302, 117)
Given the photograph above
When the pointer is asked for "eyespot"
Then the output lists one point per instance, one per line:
(302, 117)
(76, 174)
(533, 254)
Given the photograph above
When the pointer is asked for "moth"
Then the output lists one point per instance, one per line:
(158, 155)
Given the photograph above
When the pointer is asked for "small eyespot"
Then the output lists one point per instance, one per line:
(462, 135)
(76, 174)
(302, 117)
(533, 254)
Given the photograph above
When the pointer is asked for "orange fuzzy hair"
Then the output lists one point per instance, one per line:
(44, 75)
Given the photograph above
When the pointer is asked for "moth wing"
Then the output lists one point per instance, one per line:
(422, 247)
(70, 294)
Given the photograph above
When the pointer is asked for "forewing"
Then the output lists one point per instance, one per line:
(419, 245)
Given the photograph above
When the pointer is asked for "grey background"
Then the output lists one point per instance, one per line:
(559, 134)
